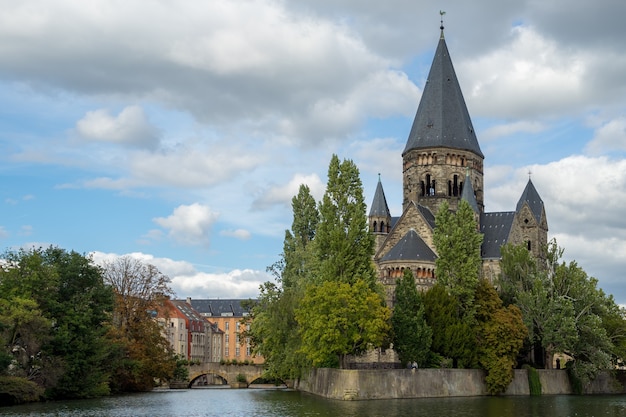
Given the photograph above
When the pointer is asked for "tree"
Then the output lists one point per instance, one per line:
(273, 328)
(337, 319)
(412, 337)
(501, 334)
(458, 242)
(80, 309)
(453, 335)
(562, 308)
(344, 245)
(142, 353)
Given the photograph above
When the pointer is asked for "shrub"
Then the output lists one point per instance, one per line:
(15, 390)
(241, 378)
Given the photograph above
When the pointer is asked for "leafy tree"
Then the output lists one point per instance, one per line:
(562, 308)
(338, 319)
(412, 336)
(273, 328)
(458, 262)
(453, 334)
(81, 309)
(142, 352)
(344, 245)
(501, 334)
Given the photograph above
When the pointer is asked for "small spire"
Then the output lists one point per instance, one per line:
(529, 174)
(441, 13)
(379, 177)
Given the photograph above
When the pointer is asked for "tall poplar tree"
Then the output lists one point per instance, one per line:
(458, 242)
(344, 277)
(412, 336)
(273, 327)
(344, 246)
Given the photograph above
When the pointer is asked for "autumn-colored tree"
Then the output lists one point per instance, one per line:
(142, 353)
(501, 334)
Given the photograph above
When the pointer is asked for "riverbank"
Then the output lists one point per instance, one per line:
(350, 384)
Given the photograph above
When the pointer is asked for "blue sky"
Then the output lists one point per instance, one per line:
(179, 132)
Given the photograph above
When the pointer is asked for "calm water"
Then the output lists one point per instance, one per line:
(254, 403)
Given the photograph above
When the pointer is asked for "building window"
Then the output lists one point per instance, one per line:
(226, 353)
(237, 351)
(226, 326)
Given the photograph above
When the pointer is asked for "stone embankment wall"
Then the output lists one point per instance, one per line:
(347, 384)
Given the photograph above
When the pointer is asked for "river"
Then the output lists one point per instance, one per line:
(283, 403)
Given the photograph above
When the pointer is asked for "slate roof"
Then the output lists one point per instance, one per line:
(442, 119)
(531, 196)
(410, 248)
(187, 310)
(219, 308)
(428, 215)
(468, 194)
(379, 205)
(495, 228)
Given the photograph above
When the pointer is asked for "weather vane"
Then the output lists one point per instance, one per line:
(529, 173)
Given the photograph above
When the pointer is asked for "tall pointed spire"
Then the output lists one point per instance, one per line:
(379, 205)
(468, 193)
(442, 119)
(531, 196)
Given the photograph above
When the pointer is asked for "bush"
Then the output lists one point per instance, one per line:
(241, 378)
(15, 390)
(534, 383)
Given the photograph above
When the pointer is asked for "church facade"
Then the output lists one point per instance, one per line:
(442, 161)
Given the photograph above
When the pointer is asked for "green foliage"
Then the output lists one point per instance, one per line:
(337, 319)
(453, 334)
(534, 383)
(15, 390)
(343, 244)
(412, 336)
(241, 378)
(327, 259)
(458, 242)
(501, 333)
(181, 371)
(563, 309)
(55, 307)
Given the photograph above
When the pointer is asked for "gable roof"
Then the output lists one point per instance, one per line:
(495, 228)
(442, 119)
(379, 205)
(410, 248)
(531, 196)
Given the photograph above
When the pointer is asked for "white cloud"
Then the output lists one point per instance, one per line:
(508, 129)
(234, 284)
(189, 224)
(609, 137)
(187, 281)
(195, 164)
(282, 195)
(129, 127)
(240, 234)
(3, 233)
(529, 77)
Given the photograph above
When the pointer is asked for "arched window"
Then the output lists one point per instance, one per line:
(423, 189)
(528, 244)
(382, 227)
(375, 224)
(455, 185)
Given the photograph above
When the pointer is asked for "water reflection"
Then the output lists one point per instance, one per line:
(251, 402)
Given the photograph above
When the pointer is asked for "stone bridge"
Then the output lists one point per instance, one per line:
(227, 372)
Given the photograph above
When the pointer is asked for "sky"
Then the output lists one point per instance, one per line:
(178, 132)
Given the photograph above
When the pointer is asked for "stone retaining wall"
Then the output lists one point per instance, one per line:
(350, 384)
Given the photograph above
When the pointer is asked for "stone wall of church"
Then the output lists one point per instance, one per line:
(527, 231)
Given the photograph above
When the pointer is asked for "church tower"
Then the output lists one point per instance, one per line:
(442, 146)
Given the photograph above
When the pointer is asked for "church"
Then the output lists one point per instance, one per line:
(442, 161)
